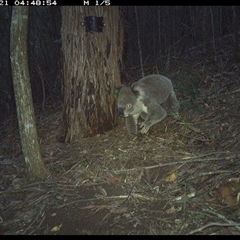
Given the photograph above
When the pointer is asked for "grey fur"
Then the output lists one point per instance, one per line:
(143, 99)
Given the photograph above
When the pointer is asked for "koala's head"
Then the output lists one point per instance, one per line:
(128, 100)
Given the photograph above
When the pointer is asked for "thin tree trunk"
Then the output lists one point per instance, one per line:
(205, 28)
(23, 95)
(139, 44)
(236, 57)
(213, 33)
(159, 31)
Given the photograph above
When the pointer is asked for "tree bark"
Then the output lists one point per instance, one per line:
(35, 167)
(90, 71)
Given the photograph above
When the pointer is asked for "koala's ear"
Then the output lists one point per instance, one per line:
(117, 88)
(136, 88)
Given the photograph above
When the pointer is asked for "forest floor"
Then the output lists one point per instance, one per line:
(180, 178)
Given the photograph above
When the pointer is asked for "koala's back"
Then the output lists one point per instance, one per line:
(156, 86)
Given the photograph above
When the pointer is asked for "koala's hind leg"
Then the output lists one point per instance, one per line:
(155, 116)
(131, 124)
(173, 103)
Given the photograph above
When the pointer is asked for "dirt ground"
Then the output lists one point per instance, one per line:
(180, 178)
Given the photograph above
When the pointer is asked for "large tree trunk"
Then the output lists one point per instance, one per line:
(90, 70)
(23, 95)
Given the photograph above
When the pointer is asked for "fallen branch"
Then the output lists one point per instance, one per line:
(192, 160)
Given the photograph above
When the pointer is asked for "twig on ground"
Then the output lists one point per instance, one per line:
(177, 162)
(214, 224)
(40, 212)
(223, 218)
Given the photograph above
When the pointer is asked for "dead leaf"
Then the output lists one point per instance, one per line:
(103, 191)
(118, 210)
(194, 129)
(192, 169)
(147, 174)
(171, 210)
(223, 125)
(108, 151)
(227, 196)
(112, 180)
(171, 178)
(89, 207)
(56, 228)
(238, 197)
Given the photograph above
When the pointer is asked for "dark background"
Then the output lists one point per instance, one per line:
(163, 33)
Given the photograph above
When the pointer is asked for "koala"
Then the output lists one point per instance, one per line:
(143, 99)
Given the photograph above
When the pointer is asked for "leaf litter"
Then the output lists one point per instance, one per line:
(180, 178)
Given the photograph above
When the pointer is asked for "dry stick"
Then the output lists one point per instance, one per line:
(197, 139)
(40, 212)
(134, 195)
(173, 163)
(223, 218)
(211, 173)
(213, 224)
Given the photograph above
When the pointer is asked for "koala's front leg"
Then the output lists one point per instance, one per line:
(154, 115)
(173, 103)
(131, 124)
